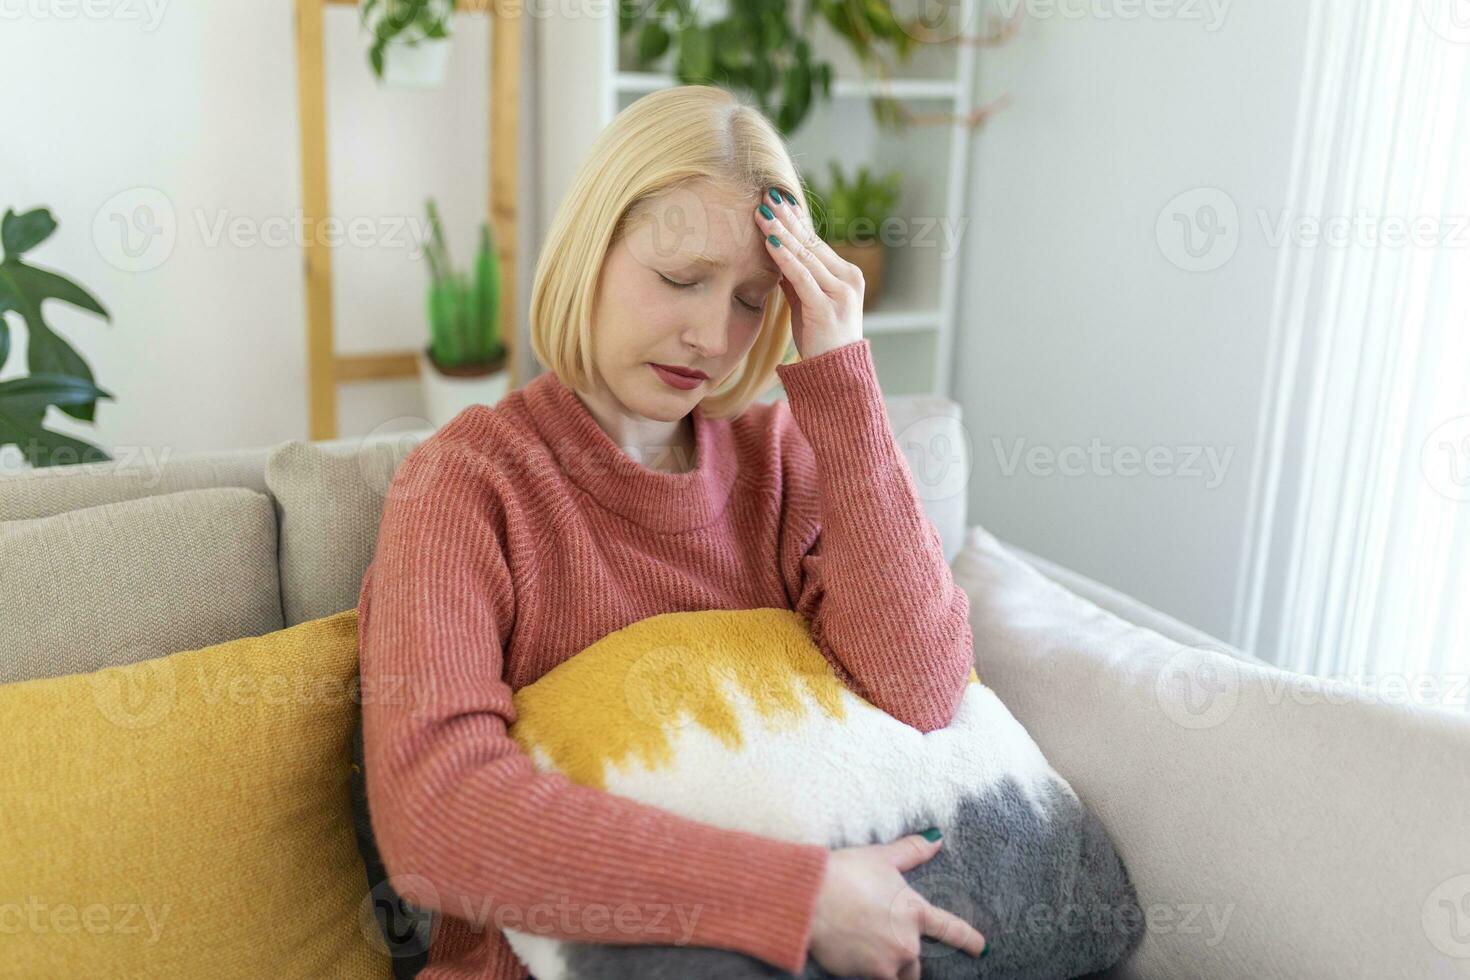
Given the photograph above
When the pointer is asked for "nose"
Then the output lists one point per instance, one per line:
(710, 333)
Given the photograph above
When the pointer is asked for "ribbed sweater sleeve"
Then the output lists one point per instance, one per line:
(464, 822)
(865, 563)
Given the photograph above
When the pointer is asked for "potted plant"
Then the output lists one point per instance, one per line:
(410, 40)
(849, 216)
(58, 374)
(465, 362)
(750, 47)
(753, 46)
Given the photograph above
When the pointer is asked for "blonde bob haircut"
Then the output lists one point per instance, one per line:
(661, 142)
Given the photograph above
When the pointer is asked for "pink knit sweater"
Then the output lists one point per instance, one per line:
(517, 535)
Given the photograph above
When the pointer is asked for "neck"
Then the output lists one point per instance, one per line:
(659, 445)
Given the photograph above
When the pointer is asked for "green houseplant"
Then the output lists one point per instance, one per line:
(58, 374)
(410, 40)
(754, 48)
(849, 215)
(465, 360)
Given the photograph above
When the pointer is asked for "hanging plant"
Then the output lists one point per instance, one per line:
(410, 40)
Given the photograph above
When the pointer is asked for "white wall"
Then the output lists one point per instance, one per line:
(1074, 323)
(206, 348)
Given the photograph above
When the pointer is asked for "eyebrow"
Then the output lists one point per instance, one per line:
(707, 261)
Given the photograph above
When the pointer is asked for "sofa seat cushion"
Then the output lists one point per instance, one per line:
(121, 582)
(187, 816)
(1275, 824)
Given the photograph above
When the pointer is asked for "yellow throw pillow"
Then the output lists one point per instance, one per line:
(188, 816)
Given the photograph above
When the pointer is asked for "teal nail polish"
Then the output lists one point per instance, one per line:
(774, 240)
(986, 950)
(775, 195)
(932, 833)
(767, 212)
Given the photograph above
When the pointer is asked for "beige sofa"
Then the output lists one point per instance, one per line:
(117, 562)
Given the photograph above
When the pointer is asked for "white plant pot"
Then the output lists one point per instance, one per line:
(424, 64)
(445, 396)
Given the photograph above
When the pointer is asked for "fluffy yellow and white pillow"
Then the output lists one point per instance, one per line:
(735, 718)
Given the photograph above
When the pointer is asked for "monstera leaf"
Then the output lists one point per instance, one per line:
(58, 375)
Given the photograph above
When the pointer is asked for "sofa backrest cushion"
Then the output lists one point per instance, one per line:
(329, 501)
(45, 492)
(931, 434)
(121, 582)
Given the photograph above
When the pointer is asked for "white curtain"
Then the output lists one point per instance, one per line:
(1357, 555)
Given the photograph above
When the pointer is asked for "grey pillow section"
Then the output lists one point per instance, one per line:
(119, 583)
(1028, 866)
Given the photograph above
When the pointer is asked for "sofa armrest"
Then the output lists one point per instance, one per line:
(1274, 824)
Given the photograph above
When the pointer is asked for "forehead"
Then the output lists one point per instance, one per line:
(700, 224)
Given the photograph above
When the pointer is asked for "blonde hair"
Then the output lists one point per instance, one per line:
(663, 141)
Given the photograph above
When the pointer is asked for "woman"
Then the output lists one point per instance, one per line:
(636, 477)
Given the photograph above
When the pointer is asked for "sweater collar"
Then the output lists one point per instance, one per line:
(613, 479)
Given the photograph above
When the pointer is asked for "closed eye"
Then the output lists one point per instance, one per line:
(685, 285)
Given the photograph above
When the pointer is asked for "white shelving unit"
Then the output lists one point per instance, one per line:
(912, 326)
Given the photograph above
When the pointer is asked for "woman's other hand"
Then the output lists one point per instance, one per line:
(868, 922)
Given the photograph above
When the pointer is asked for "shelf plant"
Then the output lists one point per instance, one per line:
(849, 213)
(58, 374)
(756, 49)
(465, 352)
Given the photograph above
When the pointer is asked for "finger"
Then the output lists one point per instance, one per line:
(912, 850)
(912, 970)
(950, 929)
(791, 239)
(798, 273)
(798, 219)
